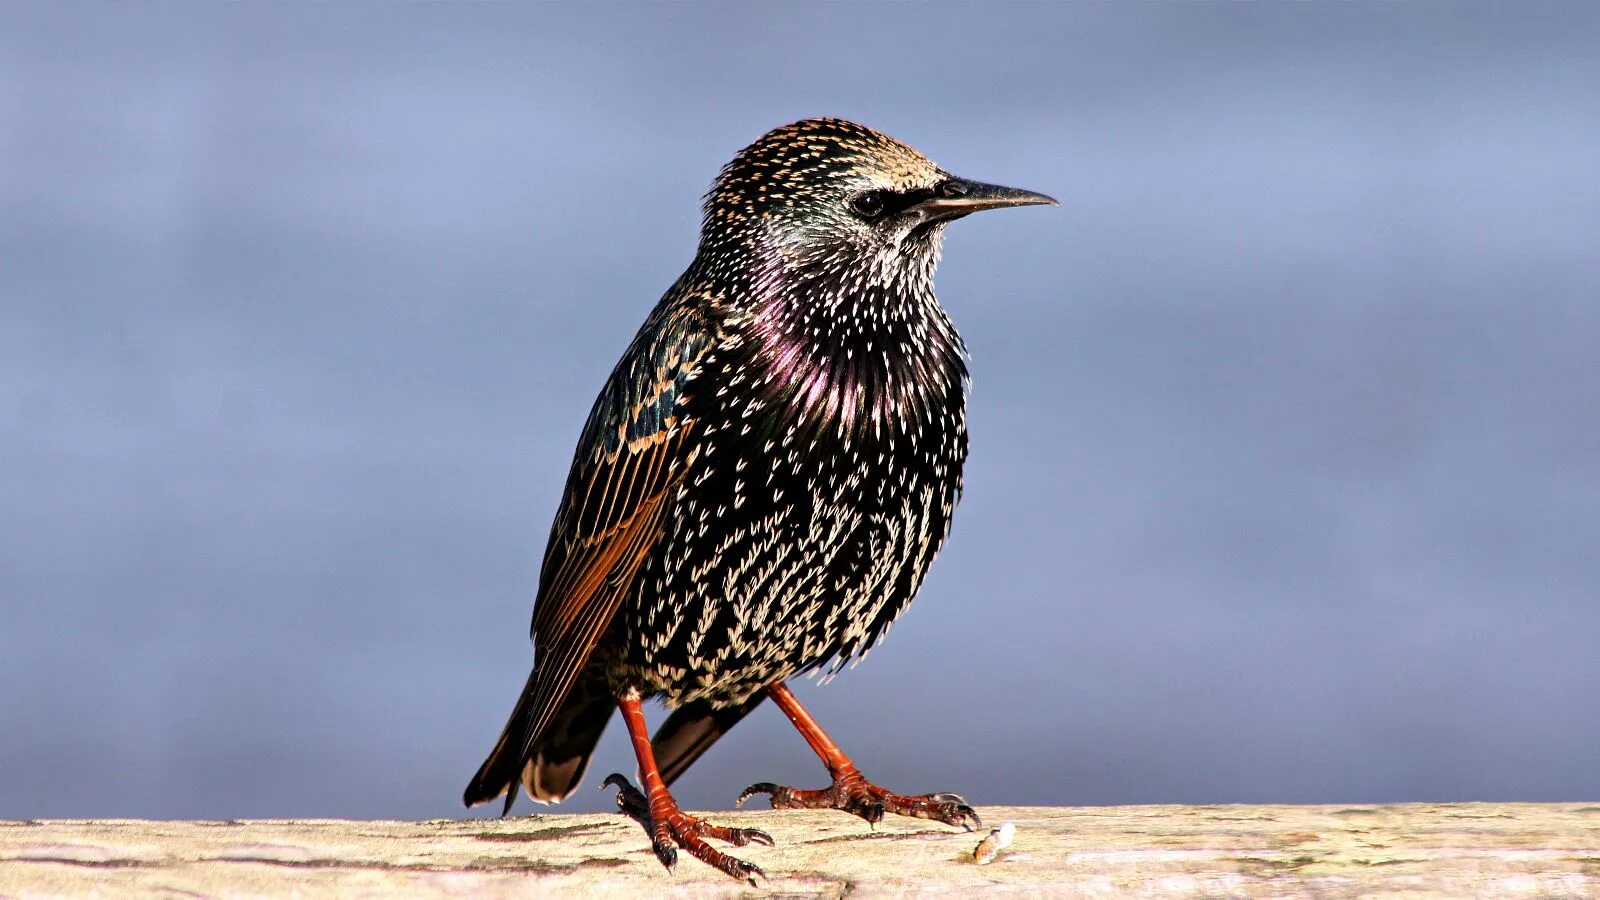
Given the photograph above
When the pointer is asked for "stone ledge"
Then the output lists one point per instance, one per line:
(1546, 850)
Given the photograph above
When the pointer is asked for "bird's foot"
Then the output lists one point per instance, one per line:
(855, 794)
(670, 828)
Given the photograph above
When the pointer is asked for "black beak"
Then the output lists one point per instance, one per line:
(957, 197)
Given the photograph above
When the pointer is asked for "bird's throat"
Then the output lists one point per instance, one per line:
(867, 360)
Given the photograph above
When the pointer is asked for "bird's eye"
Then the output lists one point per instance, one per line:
(869, 204)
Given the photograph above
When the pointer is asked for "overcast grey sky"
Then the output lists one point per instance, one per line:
(1285, 475)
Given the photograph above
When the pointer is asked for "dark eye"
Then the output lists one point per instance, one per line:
(870, 204)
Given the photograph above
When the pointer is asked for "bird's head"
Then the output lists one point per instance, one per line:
(831, 193)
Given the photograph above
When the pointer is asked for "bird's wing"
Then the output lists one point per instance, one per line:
(630, 460)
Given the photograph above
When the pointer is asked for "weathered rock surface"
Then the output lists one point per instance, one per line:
(1471, 849)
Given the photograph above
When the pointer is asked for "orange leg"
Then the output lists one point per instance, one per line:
(850, 790)
(670, 827)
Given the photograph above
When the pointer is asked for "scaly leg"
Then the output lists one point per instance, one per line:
(851, 791)
(668, 826)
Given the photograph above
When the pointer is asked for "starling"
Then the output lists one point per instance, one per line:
(761, 484)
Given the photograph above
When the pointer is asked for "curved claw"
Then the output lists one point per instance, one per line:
(871, 811)
(950, 809)
(665, 852)
(674, 829)
(968, 818)
(854, 794)
(631, 801)
(751, 872)
(760, 787)
(739, 837)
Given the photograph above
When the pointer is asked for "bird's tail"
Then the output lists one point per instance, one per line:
(691, 730)
(554, 762)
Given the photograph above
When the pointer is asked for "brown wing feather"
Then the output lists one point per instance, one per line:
(635, 449)
(630, 461)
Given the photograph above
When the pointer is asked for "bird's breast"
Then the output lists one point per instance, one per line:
(826, 469)
(843, 385)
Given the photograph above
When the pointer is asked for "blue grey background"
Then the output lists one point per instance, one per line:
(1285, 477)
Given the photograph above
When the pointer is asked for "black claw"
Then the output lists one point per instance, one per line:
(760, 787)
(753, 875)
(633, 804)
(630, 802)
(966, 813)
(963, 815)
(743, 836)
(667, 853)
(747, 872)
(872, 812)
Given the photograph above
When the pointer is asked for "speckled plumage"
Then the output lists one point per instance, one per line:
(830, 428)
(772, 465)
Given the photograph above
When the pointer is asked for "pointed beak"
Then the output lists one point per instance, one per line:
(957, 197)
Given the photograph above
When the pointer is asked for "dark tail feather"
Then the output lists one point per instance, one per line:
(691, 730)
(553, 765)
